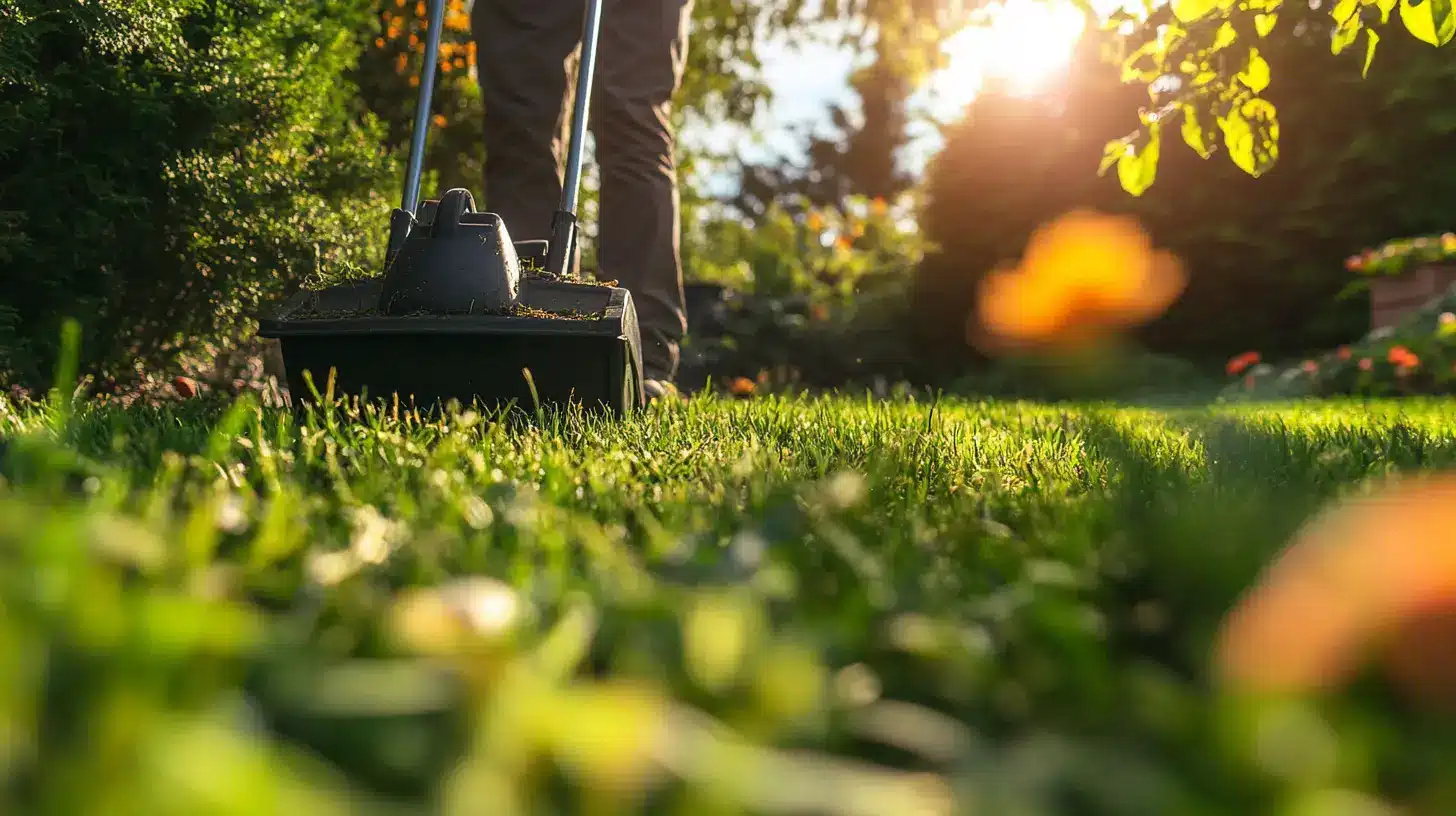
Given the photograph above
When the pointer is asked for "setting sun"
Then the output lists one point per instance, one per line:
(1024, 44)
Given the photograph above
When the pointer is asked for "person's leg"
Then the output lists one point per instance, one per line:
(640, 65)
(524, 53)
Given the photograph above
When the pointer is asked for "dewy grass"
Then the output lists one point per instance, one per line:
(988, 607)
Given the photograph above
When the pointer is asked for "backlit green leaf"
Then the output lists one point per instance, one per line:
(1194, 134)
(1144, 64)
(1371, 39)
(1136, 169)
(1256, 75)
(1345, 34)
(1111, 152)
(1189, 10)
(1251, 134)
(1264, 23)
(1225, 37)
(1431, 21)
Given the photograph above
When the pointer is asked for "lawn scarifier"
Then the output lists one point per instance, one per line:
(463, 312)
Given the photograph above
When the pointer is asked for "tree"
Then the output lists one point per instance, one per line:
(857, 158)
(1201, 64)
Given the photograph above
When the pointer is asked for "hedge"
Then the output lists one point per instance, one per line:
(165, 164)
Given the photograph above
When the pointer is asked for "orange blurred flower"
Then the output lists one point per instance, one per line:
(878, 206)
(1366, 364)
(1310, 367)
(1403, 359)
(439, 120)
(819, 312)
(1237, 365)
(1084, 276)
(814, 221)
(1372, 577)
(843, 243)
(742, 387)
(1343, 352)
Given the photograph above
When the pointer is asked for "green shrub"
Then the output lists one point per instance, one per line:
(167, 164)
(818, 295)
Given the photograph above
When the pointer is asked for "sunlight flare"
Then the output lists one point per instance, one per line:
(1024, 45)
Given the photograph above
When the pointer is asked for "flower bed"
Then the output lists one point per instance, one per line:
(1416, 356)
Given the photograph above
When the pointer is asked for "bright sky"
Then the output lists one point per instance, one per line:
(1027, 45)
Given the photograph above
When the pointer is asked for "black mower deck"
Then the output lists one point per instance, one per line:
(579, 341)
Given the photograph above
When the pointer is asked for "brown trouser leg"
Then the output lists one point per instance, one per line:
(527, 51)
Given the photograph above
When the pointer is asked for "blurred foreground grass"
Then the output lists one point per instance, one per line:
(819, 606)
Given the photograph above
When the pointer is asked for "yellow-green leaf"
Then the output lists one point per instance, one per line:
(1150, 56)
(1371, 39)
(1136, 169)
(1264, 23)
(1345, 34)
(1194, 134)
(1251, 134)
(1344, 10)
(1111, 152)
(1432, 21)
(1386, 7)
(1225, 36)
(1256, 75)
(1189, 10)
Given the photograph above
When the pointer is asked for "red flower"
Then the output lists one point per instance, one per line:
(1310, 367)
(1402, 358)
(1343, 353)
(1237, 365)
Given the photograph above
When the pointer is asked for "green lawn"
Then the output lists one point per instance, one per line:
(816, 606)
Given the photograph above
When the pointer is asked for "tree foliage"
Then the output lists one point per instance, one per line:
(859, 157)
(1203, 66)
(1266, 256)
